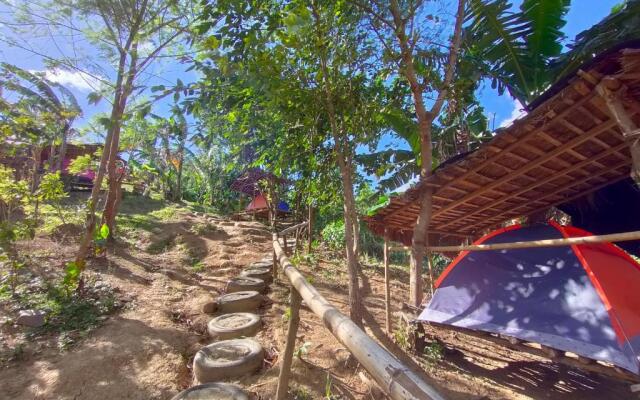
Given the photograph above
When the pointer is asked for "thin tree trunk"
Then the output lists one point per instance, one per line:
(340, 149)
(425, 121)
(90, 222)
(52, 155)
(115, 181)
(35, 180)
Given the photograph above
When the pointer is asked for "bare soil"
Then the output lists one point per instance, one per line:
(145, 351)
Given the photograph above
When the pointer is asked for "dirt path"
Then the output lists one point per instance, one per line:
(145, 351)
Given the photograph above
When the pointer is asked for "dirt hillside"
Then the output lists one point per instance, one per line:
(166, 269)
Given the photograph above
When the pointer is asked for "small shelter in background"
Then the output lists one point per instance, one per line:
(256, 183)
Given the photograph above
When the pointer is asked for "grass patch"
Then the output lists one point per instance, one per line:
(68, 314)
(203, 228)
(162, 244)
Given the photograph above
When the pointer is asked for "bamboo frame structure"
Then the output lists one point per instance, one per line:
(398, 381)
(579, 137)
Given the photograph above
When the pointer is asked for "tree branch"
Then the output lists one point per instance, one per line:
(453, 57)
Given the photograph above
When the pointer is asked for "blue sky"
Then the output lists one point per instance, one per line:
(500, 109)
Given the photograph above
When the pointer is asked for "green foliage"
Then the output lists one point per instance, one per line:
(51, 191)
(100, 237)
(515, 49)
(71, 275)
(301, 393)
(434, 352)
(14, 194)
(333, 235)
(302, 350)
(85, 162)
(203, 228)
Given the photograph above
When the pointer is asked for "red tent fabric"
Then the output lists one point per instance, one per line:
(258, 202)
(582, 299)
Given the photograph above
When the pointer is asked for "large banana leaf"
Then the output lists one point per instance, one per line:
(515, 48)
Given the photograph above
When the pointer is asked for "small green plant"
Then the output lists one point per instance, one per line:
(401, 337)
(198, 266)
(333, 235)
(100, 237)
(328, 389)
(287, 315)
(434, 352)
(14, 196)
(201, 228)
(51, 191)
(162, 244)
(300, 393)
(302, 350)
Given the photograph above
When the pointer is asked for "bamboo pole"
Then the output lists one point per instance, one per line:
(614, 237)
(292, 228)
(387, 294)
(398, 381)
(275, 266)
(287, 358)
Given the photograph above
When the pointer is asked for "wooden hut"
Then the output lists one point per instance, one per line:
(578, 138)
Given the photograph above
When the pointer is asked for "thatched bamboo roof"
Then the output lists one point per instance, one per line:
(566, 147)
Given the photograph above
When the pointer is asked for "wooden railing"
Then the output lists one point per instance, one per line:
(394, 378)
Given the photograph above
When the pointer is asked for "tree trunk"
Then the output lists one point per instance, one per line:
(35, 180)
(341, 149)
(355, 310)
(115, 181)
(90, 222)
(52, 155)
(425, 121)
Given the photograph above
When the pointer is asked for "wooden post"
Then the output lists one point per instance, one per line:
(285, 246)
(295, 248)
(287, 358)
(310, 228)
(612, 92)
(429, 264)
(396, 379)
(387, 294)
(275, 265)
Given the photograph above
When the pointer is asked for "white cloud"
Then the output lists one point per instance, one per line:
(517, 112)
(73, 79)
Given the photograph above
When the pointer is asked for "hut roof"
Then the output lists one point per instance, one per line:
(566, 147)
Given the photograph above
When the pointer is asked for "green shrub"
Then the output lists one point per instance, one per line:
(333, 235)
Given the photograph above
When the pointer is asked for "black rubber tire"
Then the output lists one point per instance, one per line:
(248, 300)
(266, 274)
(213, 391)
(227, 359)
(235, 325)
(244, 283)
